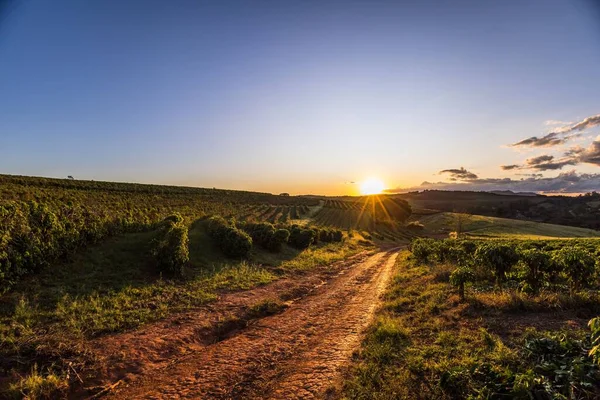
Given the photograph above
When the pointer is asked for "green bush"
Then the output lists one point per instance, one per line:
(459, 277)
(538, 266)
(578, 264)
(170, 247)
(423, 249)
(232, 241)
(498, 257)
(301, 238)
(265, 235)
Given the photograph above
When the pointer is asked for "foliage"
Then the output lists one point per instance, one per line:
(459, 277)
(594, 325)
(39, 386)
(300, 237)
(538, 264)
(170, 248)
(499, 257)
(538, 267)
(232, 241)
(266, 235)
(43, 220)
(578, 265)
(453, 350)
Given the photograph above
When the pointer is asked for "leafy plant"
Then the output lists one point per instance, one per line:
(538, 264)
(499, 257)
(171, 246)
(233, 241)
(578, 264)
(459, 277)
(300, 237)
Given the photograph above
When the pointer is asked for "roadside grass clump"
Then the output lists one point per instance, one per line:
(264, 309)
(232, 241)
(170, 248)
(39, 386)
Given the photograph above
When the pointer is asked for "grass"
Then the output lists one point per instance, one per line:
(481, 226)
(37, 386)
(113, 286)
(425, 343)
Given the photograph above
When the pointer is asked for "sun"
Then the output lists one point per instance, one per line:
(372, 186)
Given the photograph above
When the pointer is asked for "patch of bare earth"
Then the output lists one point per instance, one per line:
(297, 353)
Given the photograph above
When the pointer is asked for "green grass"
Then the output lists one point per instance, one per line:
(481, 226)
(425, 343)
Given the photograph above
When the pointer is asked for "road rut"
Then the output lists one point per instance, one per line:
(298, 353)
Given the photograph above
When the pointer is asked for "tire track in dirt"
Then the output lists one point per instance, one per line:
(128, 355)
(296, 354)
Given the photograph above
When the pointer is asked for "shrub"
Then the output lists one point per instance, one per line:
(577, 264)
(459, 277)
(499, 257)
(280, 237)
(594, 325)
(423, 249)
(232, 241)
(327, 235)
(265, 235)
(537, 264)
(301, 238)
(170, 247)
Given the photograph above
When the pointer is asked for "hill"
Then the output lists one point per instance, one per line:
(441, 224)
(582, 211)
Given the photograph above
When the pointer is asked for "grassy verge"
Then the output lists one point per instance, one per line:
(426, 344)
(47, 320)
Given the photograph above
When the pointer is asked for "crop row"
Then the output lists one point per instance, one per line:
(44, 220)
(534, 265)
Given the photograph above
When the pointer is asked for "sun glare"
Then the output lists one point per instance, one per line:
(372, 186)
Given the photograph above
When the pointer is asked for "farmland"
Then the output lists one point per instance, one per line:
(81, 260)
(104, 285)
(486, 319)
(478, 226)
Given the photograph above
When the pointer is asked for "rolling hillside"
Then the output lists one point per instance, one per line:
(441, 224)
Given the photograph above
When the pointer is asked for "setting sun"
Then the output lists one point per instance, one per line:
(372, 186)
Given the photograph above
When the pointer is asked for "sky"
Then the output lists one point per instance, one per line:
(304, 96)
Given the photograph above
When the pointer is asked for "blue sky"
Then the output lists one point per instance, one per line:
(296, 96)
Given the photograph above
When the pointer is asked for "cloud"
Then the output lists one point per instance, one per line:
(573, 156)
(591, 155)
(459, 174)
(556, 122)
(560, 135)
(587, 123)
(551, 139)
(566, 182)
(547, 162)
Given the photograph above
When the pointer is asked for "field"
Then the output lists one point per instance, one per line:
(478, 226)
(82, 260)
(383, 217)
(125, 291)
(485, 319)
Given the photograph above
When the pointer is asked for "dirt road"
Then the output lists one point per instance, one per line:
(295, 354)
